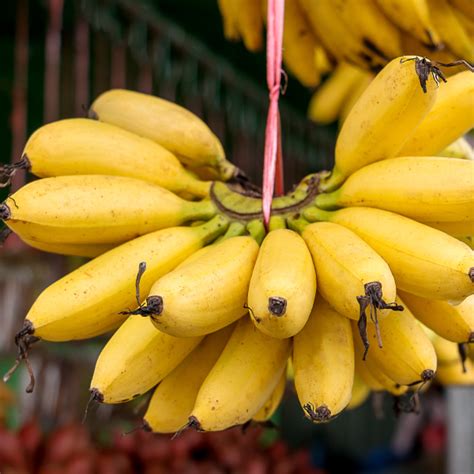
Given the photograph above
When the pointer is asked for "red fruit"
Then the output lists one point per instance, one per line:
(30, 437)
(126, 443)
(256, 465)
(51, 469)
(66, 442)
(113, 462)
(278, 450)
(154, 449)
(11, 452)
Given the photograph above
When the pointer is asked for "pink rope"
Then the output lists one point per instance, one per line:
(272, 164)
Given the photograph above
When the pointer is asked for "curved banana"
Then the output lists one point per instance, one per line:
(208, 293)
(452, 106)
(383, 118)
(457, 229)
(226, 8)
(87, 302)
(464, 6)
(96, 209)
(360, 393)
(83, 146)
(460, 148)
(166, 123)
(323, 360)
(283, 285)
(244, 376)
(362, 370)
(412, 16)
(173, 399)
(135, 359)
(354, 96)
(407, 356)
(423, 260)
(249, 23)
(273, 402)
(454, 323)
(422, 188)
(327, 102)
(78, 250)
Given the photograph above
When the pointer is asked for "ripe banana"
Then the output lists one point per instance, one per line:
(167, 124)
(454, 323)
(456, 229)
(226, 7)
(362, 370)
(135, 359)
(328, 101)
(422, 188)
(465, 6)
(82, 146)
(208, 293)
(79, 250)
(412, 16)
(273, 402)
(87, 301)
(383, 119)
(283, 285)
(450, 29)
(174, 398)
(460, 148)
(299, 44)
(407, 356)
(323, 360)
(354, 96)
(453, 106)
(423, 260)
(351, 276)
(96, 209)
(360, 393)
(249, 22)
(242, 379)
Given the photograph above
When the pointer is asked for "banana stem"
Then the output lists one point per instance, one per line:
(314, 214)
(297, 223)
(277, 222)
(328, 201)
(256, 229)
(335, 179)
(201, 210)
(235, 229)
(213, 228)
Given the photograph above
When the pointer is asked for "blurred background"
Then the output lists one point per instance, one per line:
(56, 57)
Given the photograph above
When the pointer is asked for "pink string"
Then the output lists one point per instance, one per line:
(273, 163)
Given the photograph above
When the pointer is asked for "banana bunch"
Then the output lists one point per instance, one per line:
(352, 287)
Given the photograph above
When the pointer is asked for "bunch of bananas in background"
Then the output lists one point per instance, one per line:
(362, 282)
(351, 40)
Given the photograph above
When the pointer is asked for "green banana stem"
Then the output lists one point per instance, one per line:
(335, 180)
(277, 222)
(201, 210)
(235, 229)
(328, 201)
(213, 228)
(297, 223)
(256, 229)
(313, 214)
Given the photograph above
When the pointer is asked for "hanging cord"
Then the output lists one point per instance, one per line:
(273, 163)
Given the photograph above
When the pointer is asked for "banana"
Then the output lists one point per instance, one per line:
(466, 22)
(173, 399)
(327, 102)
(78, 250)
(244, 376)
(87, 301)
(299, 44)
(460, 148)
(226, 7)
(422, 188)
(283, 285)
(369, 370)
(167, 124)
(354, 96)
(83, 146)
(450, 29)
(323, 63)
(249, 22)
(453, 106)
(135, 359)
(454, 323)
(407, 356)
(273, 402)
(383, 119)
(351, 276)
(423, 260)
(412, 16)
(456, 229)
(464, 6)
(206, 294)
(96, 209)
(360, 393)
(323, 359)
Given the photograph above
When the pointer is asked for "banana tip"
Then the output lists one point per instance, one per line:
(320, 414)
(471, 338)
(5, 212)
(96, 395)
(193, 422)
(277, 305)
(427, 375)
(92, 114)
(471, 274)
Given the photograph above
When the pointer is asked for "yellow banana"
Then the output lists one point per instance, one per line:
(321, 60)
(407, 356)
(466, 22)
(323, 360)
(249, 22)
(208, 293)
(226, 8)
(174, 398)
(362, 370)
(464, 6)
(79, 250)
(383, 118)
(299, 43)
(453, 105)
(460, 148)
(96, 209)
(351, 276)
(242, 379)
(354, 96)
(166, 123)
(423, 260)
(360, 393)
(454, 323)
(83, 146)
(283, 285)
(87, 301)
(273, 402)
(450, 29)
(412, 16)
(456, 228)
(422, 188)
(135, 359)
(328, 101)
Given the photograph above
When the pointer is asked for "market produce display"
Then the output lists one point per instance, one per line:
(351, 40)
(352, 283)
